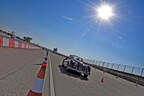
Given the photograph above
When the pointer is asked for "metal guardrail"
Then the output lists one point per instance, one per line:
(139, 71)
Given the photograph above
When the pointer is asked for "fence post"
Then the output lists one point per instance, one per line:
(107, 65)
(112, 66)
(103, 64)
(103, 67)
(132, 70)
(118, 67)
(142, 71)
(124, 68)
(96, 62)
(100, 63)
(93, 61)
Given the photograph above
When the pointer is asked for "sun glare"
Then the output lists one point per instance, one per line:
(104, 12)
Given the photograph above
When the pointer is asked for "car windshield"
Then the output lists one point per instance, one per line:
(77, 58)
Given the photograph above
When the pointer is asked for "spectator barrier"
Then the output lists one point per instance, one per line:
(139, 71)
(13, 43)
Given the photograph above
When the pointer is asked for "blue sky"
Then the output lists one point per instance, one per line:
(69, 26)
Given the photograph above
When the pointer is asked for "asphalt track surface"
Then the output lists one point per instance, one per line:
(18, 69)
(68, 84)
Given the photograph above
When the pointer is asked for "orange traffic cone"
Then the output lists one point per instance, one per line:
(45, 60)
(102, 80)
(44, 64)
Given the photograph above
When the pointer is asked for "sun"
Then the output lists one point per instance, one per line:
(104, 12)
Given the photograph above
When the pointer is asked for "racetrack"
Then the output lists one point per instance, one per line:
(18, 69)
(67, 84)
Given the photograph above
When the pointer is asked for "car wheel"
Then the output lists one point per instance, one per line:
(85, 76)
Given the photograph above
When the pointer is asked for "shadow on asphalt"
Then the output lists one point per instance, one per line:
(36, 64)
(71, 73)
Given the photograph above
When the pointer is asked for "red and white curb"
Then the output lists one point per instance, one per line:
(38, 84)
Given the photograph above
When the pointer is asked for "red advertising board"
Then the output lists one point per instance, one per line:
(1, 41)
(24, 45)
(19, 44)
(12, 43)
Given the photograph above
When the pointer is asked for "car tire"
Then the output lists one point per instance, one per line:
(85, 76)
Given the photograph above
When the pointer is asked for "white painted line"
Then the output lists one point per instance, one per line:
(52, 92)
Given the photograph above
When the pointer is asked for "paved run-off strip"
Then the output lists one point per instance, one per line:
(18, 70)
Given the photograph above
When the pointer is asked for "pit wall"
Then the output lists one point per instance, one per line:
(13, 43)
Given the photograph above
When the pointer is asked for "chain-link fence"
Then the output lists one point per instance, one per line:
(123, 68)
